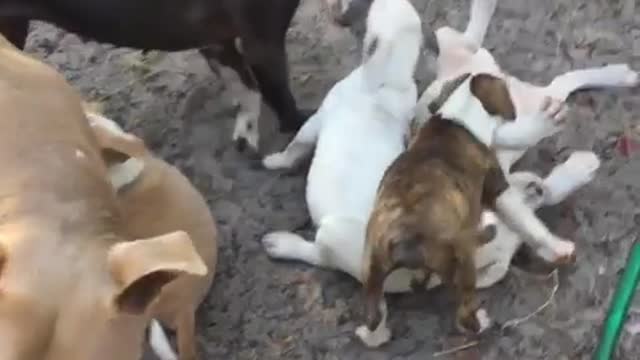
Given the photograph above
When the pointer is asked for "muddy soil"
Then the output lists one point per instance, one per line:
(260, 309)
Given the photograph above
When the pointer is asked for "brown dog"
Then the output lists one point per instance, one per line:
(156, 198)
(429, 204)
(74, 285)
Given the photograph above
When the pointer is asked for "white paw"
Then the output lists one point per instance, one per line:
(554, 110)
(627, 76)
(281, 244)
(276, 161)
(558, 252)
(578, 170)
(373, 339)
(488, 218)
(492, 274)
(483, 320)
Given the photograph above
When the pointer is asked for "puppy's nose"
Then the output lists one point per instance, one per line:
(241, 144)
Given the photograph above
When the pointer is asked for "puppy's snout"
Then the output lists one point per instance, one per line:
(241, 144)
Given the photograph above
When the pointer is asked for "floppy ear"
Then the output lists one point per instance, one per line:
(141, 268)
(494, 95)
(117, 145)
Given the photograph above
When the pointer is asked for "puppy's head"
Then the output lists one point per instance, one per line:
(491, 91)
(480, 102)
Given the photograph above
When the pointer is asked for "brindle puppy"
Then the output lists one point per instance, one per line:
(429, 204)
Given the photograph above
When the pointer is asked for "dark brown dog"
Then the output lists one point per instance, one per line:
(216, 27)
(427, 213)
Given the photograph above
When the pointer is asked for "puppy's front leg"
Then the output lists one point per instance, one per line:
(300, 147)
(528, 129)
(513, 209)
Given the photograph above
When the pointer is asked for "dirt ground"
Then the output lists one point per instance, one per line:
(260, 309)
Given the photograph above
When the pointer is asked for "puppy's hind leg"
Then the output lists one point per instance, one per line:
(338, 245)
(300, 147)
(617, 75)
(289, 246)
(375, 332)
(479, 18)
(468, 316)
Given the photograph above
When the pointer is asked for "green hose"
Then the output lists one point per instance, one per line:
(620, 305)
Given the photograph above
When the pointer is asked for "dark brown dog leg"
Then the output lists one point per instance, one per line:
(268, 61)
(186, 333)
(464, 281)
(229, 56)
(15, 30)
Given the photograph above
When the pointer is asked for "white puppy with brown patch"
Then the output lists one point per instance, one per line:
(461, 53)
(357, 132)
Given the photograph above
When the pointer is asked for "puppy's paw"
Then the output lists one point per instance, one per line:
(626, 75)
(492, 274)
(484, 321)
(276, 161)
(373, 339)
(578, 170)
(282, 244)
(559, 252)
(554, 110)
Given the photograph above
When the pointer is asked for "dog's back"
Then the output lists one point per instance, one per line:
(435, 188)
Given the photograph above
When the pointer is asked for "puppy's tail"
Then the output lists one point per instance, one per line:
(160, 342)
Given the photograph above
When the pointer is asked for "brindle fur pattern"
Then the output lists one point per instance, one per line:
(428, 211)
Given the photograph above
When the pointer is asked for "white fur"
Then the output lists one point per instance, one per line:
(357, 132)
(159, 342)
(463, 107)
(248, 101)
(108, 124)
(361, 122)
(380, 335)
(125, 173)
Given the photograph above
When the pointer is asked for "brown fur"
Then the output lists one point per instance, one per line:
(161, 199)
(428, 209)
(73, 285)
(494, 95)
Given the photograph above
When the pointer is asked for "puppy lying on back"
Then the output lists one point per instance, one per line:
(155, 197)
(428, 209)
(461, 52)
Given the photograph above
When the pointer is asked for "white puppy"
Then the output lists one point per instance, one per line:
(357, 132)
(462, 53)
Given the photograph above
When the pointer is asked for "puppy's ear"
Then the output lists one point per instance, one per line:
(494, 95)
(116, 145)
(141, 268)
(447, 89)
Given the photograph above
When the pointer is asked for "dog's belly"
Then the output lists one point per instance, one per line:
(350, 159)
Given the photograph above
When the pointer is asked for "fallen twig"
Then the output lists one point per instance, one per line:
(517, 321)
(456, 349)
